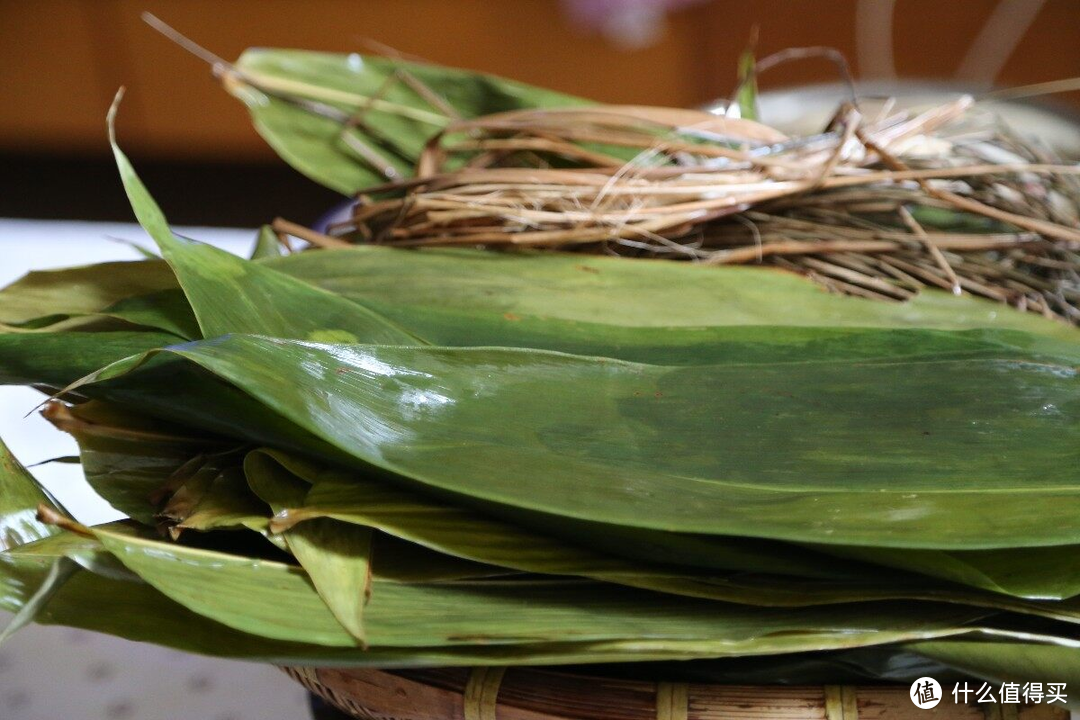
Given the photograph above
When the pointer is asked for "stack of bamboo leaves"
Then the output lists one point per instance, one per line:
(365, 455)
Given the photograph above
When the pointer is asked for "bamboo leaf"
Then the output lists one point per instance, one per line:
(301, 102)
(545, 299)
(1015, 661)
(62, 569)
(136, 611)
(127, 458)
(261, 300)
(84, 290)
(20, 496)
(275, 601)
(227, 503)
(826, 452)
(1039, 573)
(747, 95)
(267, 244)
(59, 359)
(336, 556)
(469, 534)
(765, 580)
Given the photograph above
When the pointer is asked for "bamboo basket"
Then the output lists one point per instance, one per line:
(523, 693)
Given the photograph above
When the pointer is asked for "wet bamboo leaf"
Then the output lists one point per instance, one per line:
(61, 571)
(861, 453)
(465, 533)
(20, 495)
(85, 290)
(261, 300)
(276, 601)
(507, 296)
(59, 359)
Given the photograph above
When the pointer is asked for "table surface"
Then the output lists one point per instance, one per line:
(48, 673)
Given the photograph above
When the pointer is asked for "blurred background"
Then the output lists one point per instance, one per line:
(62, 60)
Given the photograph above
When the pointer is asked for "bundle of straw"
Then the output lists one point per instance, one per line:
(878, 207)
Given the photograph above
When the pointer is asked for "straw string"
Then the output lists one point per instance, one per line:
(841, 703)
(672, 701)
(481, 696)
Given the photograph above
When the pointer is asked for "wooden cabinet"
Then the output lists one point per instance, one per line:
(62, 60)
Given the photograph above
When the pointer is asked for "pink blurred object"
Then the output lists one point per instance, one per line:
(629, 23)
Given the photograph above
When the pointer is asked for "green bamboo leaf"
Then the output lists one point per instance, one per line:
(794, 451)
(59, 359)
(134, 610)
(171, 389)
(747, 95)
(1004, 661)
(471, 297)
(85, 290)
(336, 556)
(20, 496)
(307, 97)
(276, 601)
(468, 534)
(267, 244)
(1042, 573)
(465, 533)
(89, 297)
(115, 459)
(61, 571)
(84, 550)
(128, 458)
(166, 310)
(406, 562)
(260, 299)
(466, 298)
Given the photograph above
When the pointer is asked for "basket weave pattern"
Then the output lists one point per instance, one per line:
(531, 694)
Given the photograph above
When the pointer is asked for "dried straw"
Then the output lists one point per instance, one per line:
(877, 207)
(880, 208)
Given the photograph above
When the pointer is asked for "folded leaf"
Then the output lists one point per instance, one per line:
(465, 533)
(276, 601)
(128, 458)
(336, 556)
(1010, 661)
